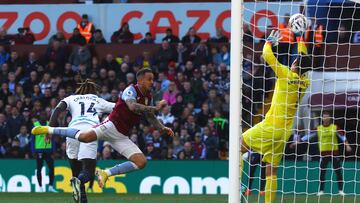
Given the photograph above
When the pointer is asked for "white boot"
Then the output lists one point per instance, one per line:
(52, 189)
(320, 193)
(75, 184)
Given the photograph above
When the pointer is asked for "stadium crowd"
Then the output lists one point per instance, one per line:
(192, 75)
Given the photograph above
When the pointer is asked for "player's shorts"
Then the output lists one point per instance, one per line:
(268, 141)
(121, 143)
(80, 150)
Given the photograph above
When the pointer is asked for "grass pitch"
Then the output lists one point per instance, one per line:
(135, 198)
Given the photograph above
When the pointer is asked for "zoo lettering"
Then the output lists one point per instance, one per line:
(201, 17)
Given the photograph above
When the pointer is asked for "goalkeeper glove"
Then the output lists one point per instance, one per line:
(274, 38)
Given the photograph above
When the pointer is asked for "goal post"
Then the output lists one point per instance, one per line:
(235, 101)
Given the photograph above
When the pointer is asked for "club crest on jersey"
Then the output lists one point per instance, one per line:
(129, 93)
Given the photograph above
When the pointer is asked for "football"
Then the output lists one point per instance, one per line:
(298, 23)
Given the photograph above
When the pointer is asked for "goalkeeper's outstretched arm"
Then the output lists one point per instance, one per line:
(280, 70)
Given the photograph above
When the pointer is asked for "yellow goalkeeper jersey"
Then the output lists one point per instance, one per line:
(288, 90)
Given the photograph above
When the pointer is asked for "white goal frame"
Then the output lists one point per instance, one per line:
(236, 57)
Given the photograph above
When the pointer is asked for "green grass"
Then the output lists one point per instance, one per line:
(133, 198)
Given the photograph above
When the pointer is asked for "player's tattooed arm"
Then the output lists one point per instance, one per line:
(140, 108)
(55, 115)
(151, 118)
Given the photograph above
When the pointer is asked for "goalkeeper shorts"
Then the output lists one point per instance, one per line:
(268, 141)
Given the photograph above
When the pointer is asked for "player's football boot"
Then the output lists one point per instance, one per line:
(341, 193)
(247, 192)
(52, 189)
(40, 130)
(75, 184)
(320, 193)
(89, 190)
(262, 193)
(102, 177)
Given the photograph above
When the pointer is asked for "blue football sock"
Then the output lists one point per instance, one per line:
(84, 176)
(122, 168)
(66, 132)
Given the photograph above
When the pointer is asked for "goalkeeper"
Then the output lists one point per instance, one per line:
(328, 134)
(269, 136)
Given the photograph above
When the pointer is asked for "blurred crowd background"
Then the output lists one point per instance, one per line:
(192, 75)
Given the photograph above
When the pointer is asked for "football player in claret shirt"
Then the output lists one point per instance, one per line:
(132, 105)
(269, 136)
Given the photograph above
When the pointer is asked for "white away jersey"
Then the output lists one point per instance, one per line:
(86, 108)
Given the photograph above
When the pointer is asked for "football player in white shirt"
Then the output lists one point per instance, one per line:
(85, 108)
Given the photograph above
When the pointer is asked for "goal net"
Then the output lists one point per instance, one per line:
(319, 128)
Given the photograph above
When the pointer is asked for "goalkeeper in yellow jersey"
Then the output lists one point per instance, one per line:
(269, 136)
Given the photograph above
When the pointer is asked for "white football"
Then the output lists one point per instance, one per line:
(298, 23)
